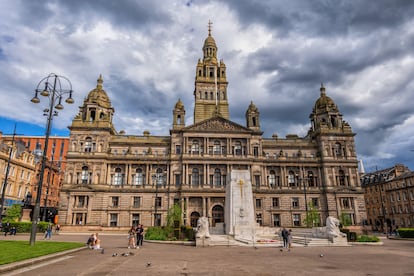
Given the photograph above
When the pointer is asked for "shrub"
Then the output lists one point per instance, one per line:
(365, 238)
(26, 226)
(158, 233)
(406, 232)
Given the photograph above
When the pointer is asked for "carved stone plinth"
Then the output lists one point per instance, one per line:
(202, 242)
(26, 215)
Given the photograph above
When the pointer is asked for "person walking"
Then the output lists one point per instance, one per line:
(289, 239)
(131, 238)
(48, 233)
(285, 236)
(140, 235)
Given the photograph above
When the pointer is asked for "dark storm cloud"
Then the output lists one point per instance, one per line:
(138, 15)
(324, 18)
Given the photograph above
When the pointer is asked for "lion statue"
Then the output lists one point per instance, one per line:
(332, 228)
(202, 228)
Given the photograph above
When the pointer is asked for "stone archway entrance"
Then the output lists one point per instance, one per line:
(194, 218)
(217, 215)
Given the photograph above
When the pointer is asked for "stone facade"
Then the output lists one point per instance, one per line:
(113, 180)
(389, 198)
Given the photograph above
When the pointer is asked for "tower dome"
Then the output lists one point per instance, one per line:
(98, 95)
(324, 103)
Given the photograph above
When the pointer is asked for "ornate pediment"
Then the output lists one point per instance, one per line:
(217, 124)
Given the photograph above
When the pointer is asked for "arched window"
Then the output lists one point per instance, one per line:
(195, 177)
(217, 147)
(211, 96)
(217, 178)
(272, 178)
(88, 144)
(93, 114)
(118, 177)
(206, 95)
(138, 177)
(85, 175)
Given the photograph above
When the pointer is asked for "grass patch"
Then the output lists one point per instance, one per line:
(14, 251)
(365, 238)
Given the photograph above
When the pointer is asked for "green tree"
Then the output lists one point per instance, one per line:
(13, 213)
(312, 216)
(174, 214)
(345, 219)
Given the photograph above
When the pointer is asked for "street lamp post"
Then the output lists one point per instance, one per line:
(48, 184)
(53, 89)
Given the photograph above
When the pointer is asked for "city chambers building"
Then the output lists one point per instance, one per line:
(114, 180)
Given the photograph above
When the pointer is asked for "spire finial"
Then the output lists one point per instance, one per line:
(322, 89)
(100, 81)
(209, 27)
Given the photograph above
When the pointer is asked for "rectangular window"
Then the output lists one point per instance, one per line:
(135, 219)
(81, 201)
(157, 219)
(137, 202)
(257, 181)
(276, 220)
(295, 202)
(258, 203)
(296, 219)
(177, 149)
(178, 180)
(113, 221)
(259, 219)
(275, 202)
(158, 201)
(315, 202)
(256, 151)
(115, 201)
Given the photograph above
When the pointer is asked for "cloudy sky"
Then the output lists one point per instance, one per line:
(277, 54)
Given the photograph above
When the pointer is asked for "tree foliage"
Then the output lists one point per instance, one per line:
(174, 214)
(312, 217)
(345, 219)
(13, 213)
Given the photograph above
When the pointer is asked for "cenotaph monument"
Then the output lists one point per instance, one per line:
(239, 210)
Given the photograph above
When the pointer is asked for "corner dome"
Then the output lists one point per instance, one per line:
(98, 95)
(179, 104)
(252, 107)
(324, 103)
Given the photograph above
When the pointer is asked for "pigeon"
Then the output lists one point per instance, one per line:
(148, 264)
(281, 250)
(125, 254)
(131, 253)
(115, 254)
(321, 255)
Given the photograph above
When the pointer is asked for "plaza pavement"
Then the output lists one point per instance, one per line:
(394, 257)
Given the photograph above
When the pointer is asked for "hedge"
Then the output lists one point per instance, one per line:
(406, 232)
